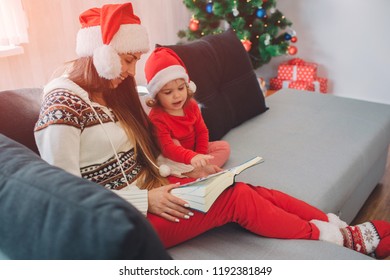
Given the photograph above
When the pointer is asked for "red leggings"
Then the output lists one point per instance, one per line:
(266, 212)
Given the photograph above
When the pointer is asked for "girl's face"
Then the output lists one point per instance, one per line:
(173, 96)
(129, 62)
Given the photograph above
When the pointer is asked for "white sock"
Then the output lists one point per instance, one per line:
(329, 232)
(334, 219)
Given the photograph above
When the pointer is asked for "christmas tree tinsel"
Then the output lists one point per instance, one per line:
(257, 23)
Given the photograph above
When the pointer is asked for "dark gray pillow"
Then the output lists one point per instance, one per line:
(227, 85)
(47, 213)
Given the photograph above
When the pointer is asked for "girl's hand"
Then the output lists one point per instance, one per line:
(200, 160)
(203, 171)
(162, 203)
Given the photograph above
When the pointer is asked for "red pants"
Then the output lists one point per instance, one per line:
(221, 152)
(266, 212)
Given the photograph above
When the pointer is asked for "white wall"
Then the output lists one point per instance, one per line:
(350, 41)
(53, 25)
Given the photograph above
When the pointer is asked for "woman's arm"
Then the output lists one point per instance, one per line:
(59, 145)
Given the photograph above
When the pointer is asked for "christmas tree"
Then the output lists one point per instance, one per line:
(264, 31)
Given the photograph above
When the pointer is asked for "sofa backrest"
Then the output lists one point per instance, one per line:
(19, 110)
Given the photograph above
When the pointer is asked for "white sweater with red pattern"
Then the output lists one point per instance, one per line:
(69, 135)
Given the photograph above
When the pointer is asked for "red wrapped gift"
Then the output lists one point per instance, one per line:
(318, 85)
(297, 70)
(301, 85)
(321, 85)
(276, 84)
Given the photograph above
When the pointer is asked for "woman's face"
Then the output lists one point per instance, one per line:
(129, 62)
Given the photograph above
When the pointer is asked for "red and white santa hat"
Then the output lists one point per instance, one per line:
(107, 32)
(163, 66)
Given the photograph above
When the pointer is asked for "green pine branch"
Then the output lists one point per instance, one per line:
(266, 34)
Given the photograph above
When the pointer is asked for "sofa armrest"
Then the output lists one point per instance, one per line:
(47, 213)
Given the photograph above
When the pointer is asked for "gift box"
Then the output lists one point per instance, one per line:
(318, 85)
(297, 70)
(323, 84)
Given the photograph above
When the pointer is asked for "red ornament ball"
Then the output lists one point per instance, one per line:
(294, 39)
(247, 44)
(194, 25)
(292, 50)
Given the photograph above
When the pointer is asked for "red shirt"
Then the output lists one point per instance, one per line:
(190, 130)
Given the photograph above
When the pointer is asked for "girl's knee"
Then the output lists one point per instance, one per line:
(225, 145)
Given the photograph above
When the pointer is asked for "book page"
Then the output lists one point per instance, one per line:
(238, 169)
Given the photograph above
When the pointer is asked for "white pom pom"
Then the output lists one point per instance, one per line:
(107, 62)
(192, 86)
(165, 171)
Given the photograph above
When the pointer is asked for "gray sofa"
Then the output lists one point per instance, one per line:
(327, 150)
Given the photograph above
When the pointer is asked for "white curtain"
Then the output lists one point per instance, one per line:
(13, 23)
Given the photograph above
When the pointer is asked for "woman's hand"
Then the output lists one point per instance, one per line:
(162, 203)
(203, 171)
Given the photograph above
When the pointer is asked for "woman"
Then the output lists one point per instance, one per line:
(93, 125)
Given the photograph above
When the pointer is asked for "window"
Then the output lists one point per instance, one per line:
(13, 27)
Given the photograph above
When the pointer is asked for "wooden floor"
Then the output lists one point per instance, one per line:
(377, 206)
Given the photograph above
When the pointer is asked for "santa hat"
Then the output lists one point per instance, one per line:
(107, 32)
(163, 66)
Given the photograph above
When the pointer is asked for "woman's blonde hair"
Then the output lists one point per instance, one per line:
(126, 105)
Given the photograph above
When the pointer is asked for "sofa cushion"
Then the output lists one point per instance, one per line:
(227, 86)
(19, 110)
(47, 213)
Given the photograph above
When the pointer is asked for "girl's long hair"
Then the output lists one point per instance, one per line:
(125, 103)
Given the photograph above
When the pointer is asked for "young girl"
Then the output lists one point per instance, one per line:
(93, 125)
(181, 131)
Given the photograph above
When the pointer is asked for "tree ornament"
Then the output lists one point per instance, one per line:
(209, 7)
(294, 39)
(235, 11)
(291, 32)
(251, 20)
(287, 36)
(292, 50)
(260, 13)
(247, 44)
(194, 24)
(267, 39)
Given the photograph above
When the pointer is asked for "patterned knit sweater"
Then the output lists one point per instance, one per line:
(69, 135)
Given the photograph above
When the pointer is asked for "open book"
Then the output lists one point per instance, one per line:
(202, 193)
